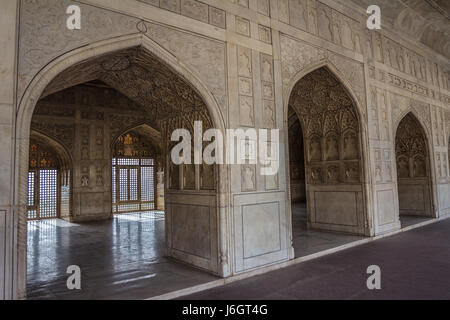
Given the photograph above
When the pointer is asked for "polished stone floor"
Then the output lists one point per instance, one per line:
(407, 221)
(122, 258)
(414, 265)
(307, 242)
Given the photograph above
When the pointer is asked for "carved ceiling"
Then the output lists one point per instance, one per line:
(138, 75)
(426, 21)
(323, 105)
(410, 148)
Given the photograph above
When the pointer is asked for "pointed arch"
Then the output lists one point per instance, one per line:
(27, 103)
(63, 154)
(151, 132)
(414, 167)
(351, 173)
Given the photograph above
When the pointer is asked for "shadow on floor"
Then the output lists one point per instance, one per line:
(122, 258)
(407, 221)
(307, 242)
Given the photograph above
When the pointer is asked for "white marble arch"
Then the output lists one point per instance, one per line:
(369, 214)
(430, 152)
(26, 106)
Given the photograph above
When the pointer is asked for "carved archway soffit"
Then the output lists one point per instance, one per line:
(299, 59)
(401, 106)
(411, 148)
(330, 124)
(141, 77)
(46, 152)
(323, 105)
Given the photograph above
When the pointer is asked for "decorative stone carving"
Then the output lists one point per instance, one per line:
(243, 26)
(324, 22)
(62, 132)
(331, 128)
(410, 148)
(205, 57)
(296, 55)
(248, 177)
(85, 181)
(44, 36)
(298, 14)
(353, 72)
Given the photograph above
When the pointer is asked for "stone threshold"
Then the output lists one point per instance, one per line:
(277, 266)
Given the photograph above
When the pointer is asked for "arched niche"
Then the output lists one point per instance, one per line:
(413, 168)
(332, 134)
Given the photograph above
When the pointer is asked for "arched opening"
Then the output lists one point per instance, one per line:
(49, 179)
(413, 172)
(326, 169)
(137, 183)
(115, 114)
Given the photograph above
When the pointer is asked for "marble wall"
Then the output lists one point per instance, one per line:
(244, 58)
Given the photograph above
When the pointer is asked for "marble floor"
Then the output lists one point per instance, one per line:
(122, 258)
(310, 241)
(407, 221)
(414, 265)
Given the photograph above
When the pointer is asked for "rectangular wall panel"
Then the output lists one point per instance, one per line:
(191, 228)
(260, 230)
(386, 207)
(339, 208)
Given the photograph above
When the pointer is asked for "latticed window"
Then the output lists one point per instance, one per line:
(133, 174)
(43, 183)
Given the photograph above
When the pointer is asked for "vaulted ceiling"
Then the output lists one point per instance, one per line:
(426, 21)
(138, 75)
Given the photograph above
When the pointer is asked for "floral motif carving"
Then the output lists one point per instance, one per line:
(330, 125)
(411, 149)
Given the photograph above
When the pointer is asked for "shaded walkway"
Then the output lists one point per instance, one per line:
(414, 265)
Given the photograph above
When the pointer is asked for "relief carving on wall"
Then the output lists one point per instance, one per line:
(206, 173)
(330, 124)
(401, 105)
(205, 57)
(44, 36)
(63, 132)
(411, 149)
(42, 157)
(297, 55)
